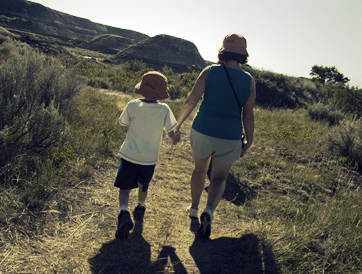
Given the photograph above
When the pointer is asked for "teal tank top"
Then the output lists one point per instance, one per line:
(219, 115)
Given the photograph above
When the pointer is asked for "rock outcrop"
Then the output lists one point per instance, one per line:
(35, 18)
(179, 54)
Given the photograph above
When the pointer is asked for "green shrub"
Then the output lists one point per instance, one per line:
(136, 66)
(35, 94)
(272, 92)
(347, 142)
(98, 82)
(84, 67)
(124, 77)
(348, 99)
(282, 91)
(128, 76)
(328, 113)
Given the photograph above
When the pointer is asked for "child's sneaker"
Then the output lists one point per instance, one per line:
(193, 211)
(124, 225)
(139, 212)
(205, 219)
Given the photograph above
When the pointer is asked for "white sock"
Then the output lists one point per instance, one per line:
(141, 203)
(123, 207)
(212, 210)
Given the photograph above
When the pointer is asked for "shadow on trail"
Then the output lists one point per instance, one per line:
(168, 252)
(246, 255)
(235, 191)
(133, 256)
(123, 256)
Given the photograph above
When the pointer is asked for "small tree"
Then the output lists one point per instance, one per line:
(328, 74)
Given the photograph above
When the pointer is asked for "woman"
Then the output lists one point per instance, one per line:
(217, 127)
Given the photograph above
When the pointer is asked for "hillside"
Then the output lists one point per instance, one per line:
(179, 54)
(108, 43)
(35, 18)
(58, 34)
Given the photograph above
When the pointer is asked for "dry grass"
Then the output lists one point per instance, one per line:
(285, 210)
(79, 234)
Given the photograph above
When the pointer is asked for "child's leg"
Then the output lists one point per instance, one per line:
(124, 224)
(142, 195)
(123, 198)
(140, 209)
(144, 178)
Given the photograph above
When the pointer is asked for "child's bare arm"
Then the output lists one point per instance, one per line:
(172, 137)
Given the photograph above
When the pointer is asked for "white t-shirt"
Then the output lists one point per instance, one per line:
(146, 121)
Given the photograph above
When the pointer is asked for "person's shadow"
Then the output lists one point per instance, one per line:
(235, 191)
(246, 255)
(162, 260)
(132, 255)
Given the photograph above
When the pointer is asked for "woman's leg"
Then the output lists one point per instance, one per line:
(198, 179)
(219, 174)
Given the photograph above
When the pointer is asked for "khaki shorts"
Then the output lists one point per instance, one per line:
(221, 150)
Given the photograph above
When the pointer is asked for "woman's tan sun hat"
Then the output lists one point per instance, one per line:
(235, 43)
(153, 86)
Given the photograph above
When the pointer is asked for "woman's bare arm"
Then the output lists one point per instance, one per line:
(192, 100)
(248, 117)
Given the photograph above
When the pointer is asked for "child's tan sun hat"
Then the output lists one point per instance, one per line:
(235, 43)
(153, 86)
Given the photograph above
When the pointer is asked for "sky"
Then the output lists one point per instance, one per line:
(283, 36)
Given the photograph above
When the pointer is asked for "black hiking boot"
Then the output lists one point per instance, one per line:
(124, 225)
(139, 212)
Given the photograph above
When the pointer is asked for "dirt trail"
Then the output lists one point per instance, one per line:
(79, 236)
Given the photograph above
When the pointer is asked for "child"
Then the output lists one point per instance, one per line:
(145, 120)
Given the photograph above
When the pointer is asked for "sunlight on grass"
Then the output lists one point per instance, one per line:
(292, 204)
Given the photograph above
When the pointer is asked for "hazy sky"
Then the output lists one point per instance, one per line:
(283, 36)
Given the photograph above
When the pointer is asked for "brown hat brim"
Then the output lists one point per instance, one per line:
(160, 95)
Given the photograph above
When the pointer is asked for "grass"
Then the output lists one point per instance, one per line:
(292, 204)
(296, 208)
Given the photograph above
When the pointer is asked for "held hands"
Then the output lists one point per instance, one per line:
(178, 135)
(174, 136)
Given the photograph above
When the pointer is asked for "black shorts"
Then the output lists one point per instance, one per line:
(130, 174)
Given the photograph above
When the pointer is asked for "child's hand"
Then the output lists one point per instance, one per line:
(178, 136)
(172, 137)
(174, 142)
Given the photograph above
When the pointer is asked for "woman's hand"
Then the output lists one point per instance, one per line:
(245, 148)
(178, 134)
(173, 137)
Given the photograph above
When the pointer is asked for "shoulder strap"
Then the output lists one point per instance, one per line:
(231, 84)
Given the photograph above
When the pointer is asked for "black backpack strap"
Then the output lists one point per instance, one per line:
(237, 100)
(231, 84)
